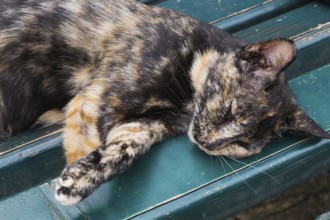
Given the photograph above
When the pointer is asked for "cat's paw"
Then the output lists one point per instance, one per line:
(66, 192)
(75, 183)
(79, 179)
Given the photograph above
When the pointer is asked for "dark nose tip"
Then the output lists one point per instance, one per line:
(210, 146)
(213, 145)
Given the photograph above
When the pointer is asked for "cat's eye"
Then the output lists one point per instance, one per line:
(229, 114)
(243, 144)
(269, 87)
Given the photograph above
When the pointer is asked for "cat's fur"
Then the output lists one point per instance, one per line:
(129, 75)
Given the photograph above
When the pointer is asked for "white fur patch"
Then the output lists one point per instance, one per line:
(66, 183)
(64, 199)
(67, 200)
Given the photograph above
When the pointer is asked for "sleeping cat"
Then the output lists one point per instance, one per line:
(128, 75)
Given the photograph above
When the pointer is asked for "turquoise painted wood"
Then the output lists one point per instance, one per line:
(31, 162)
(255, 14)
(324, 216)
(210, 10)
(298, 21)
(175, 180)
(215, 10)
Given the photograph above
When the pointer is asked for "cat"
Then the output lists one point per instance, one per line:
(122, 76)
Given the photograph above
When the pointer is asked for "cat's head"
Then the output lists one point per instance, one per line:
(242, 99)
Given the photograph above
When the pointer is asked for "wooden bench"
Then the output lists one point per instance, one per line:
(176, 180)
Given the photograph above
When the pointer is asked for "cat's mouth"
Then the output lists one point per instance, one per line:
(234, 148)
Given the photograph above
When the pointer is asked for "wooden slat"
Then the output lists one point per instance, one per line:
(230, 15)
(30, 165)
(289, 24)
(254, 15)
(211, 10)
(27, 138)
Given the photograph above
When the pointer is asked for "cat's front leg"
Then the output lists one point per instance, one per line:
(124, 143)
(80, 133)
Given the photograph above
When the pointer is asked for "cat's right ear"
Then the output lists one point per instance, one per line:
(265, 60)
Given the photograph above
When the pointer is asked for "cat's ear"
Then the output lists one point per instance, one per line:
(298, 122)
(267, 59)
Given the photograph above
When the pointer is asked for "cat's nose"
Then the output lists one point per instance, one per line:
(213, 145)
(210, 146)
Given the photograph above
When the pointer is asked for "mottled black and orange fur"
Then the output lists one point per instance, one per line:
(121, 76)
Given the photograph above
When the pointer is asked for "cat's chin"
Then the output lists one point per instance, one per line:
(230, 150)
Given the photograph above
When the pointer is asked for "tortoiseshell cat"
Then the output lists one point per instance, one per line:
(128, 75)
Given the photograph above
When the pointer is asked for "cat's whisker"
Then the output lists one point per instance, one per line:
(211, 161)
(273, 178)
(239, 175)
(176, 97)
(184, 71)
(223, 167)
(181, 89)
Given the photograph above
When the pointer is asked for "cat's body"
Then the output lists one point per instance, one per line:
(133, 75)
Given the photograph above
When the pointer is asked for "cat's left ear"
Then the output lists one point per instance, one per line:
(298, 122)
(267, 59)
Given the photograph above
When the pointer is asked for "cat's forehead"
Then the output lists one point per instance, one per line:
(213, 71)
